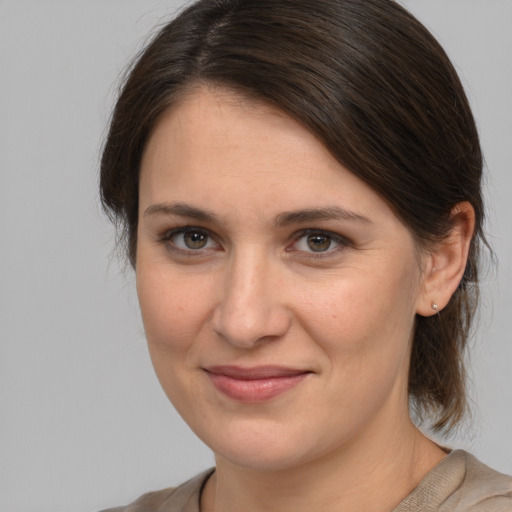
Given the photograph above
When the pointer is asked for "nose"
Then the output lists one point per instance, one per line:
(250, 309)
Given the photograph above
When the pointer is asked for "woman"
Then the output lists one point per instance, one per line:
(299, 184)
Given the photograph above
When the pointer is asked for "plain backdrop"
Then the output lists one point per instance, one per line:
(83, 422)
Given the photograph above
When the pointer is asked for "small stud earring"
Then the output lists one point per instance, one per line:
(434, 306)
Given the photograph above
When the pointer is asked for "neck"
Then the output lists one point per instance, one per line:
(373, 474)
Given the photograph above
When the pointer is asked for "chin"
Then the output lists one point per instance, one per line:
(268, 458)
(263, 446)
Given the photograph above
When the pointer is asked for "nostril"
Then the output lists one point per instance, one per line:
(251, 327)
(250, 309)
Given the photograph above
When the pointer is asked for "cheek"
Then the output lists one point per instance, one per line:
(173, 308)
(174, 312)
(364, 322)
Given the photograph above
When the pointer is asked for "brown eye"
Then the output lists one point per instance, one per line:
(189, 239)
(195, 239)
(318, 242)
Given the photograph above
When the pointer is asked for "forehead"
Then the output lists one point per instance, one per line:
(216, 146)
(224, 122)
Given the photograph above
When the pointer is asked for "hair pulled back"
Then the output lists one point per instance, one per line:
(374, 86)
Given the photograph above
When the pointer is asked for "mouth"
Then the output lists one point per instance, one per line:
(255, 384)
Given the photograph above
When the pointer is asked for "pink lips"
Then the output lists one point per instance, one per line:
(256, 384)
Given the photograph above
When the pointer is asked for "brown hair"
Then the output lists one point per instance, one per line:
(374, 86)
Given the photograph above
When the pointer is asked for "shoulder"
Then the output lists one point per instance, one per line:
(149, 502)
(460, 483)
(184, 498)
(482, 489)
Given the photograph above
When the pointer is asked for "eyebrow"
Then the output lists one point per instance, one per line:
(181, 210)
(314, 214)
(282, 219)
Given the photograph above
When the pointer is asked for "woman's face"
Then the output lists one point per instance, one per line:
(278, 291)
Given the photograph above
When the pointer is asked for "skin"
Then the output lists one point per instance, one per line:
(254, 292)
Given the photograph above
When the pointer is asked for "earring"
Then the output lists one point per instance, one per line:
(434, 306)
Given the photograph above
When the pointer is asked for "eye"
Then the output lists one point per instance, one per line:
(318, 242)
(189, 239)
(195, 239)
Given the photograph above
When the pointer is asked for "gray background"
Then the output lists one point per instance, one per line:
(83, 422)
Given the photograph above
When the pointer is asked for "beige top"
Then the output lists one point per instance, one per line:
(459, 483)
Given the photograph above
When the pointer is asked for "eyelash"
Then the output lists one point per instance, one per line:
(342, 243)
(166, 239)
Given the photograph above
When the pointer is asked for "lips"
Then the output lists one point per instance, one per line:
(256, 384)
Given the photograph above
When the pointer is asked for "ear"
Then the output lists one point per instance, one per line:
(444, 264)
